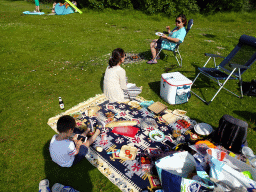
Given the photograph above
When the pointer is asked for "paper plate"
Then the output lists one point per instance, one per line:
(132, 152)
(159, 34)
(203, 129)
(156, 135)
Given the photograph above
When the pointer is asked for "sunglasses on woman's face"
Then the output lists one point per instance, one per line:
(177, 21)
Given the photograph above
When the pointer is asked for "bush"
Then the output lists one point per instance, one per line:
(168, 7)
(101, 4)
(252, 5)
(213, 6)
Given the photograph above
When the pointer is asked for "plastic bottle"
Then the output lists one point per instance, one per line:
(61, 103)
(247, 151)
(59, 188)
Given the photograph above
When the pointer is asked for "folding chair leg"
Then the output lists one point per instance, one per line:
(207, 61)
(240, 83)
(196, 78)
(214, 61)
(195, 93)
(221, 86)
(180, 63)
(158, 53)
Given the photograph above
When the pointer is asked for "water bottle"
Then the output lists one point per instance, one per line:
(247, 151)
(61, 188)
(61, 103)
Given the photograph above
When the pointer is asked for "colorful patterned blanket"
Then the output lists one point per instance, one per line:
(128, 174)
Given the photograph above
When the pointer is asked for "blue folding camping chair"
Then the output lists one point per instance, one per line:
(176, 49)
(232, 67)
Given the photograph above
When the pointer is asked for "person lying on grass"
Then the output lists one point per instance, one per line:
(169, 42)
(64, 151)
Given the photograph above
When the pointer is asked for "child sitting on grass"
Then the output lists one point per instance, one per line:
(66, 152)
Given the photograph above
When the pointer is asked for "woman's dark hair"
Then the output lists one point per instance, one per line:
(117, 55)
(183, 19)
(66, 123)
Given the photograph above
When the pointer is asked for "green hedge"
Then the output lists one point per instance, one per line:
(101, 4)
(213, 6)
(168, 7)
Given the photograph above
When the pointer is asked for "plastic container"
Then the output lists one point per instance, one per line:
(175, 88)
(247, 151)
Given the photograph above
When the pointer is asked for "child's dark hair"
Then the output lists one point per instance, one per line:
(183, 19)
(117, 55)
(66, 123)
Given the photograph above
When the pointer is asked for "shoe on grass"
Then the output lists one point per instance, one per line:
(44, 186)
(152, 62)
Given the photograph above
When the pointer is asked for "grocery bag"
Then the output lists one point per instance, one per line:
(173, 170)
(232, 176)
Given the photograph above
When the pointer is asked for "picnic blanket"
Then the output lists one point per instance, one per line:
(128, 175)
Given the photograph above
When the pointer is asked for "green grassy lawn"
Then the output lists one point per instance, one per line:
(44, 57)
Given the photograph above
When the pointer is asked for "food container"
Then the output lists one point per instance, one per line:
(175, 88)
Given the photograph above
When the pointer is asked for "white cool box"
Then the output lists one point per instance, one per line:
(175, 88)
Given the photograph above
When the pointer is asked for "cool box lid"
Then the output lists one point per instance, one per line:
(176, 79)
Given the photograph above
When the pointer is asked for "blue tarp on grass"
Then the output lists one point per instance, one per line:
(33, 13)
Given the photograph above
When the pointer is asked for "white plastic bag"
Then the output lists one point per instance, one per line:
(181, 163)
(173, 170)
(231, 177)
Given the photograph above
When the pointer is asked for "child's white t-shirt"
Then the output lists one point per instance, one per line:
(62, 152)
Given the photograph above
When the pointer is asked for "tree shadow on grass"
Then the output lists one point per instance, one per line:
(248, 116)
(76, 177)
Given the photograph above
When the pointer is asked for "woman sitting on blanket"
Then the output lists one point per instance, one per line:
(169, 42)
(115, 78)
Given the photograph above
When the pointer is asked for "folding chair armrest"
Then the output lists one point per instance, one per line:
(213, 55)
(179, 42)
(234, 65)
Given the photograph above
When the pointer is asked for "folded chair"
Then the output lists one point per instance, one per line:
(176, 49)
(232, 67)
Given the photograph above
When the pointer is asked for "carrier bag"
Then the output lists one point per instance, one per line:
(232, 179)
(173, 170)
(231, 133)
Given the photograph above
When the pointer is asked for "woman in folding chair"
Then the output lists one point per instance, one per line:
(176, 35)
